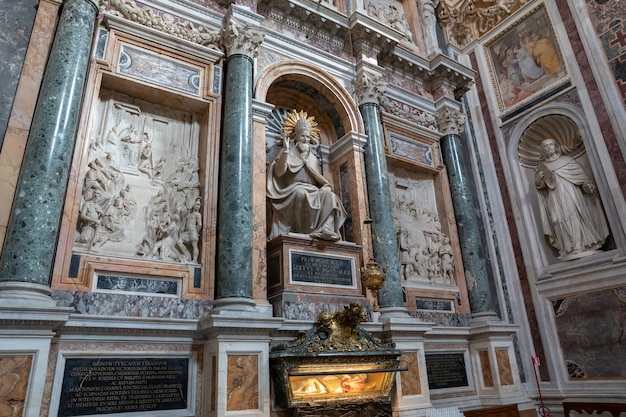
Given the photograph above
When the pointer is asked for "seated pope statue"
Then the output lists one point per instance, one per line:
(301, 199)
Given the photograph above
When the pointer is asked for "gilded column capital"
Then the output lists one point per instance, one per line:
(241, 38)
(450, 121)
(368, 86)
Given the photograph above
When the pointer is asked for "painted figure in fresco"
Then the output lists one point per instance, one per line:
(571, 212)
(301, 199)
(542, 49)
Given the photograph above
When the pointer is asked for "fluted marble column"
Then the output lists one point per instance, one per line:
(234, 246)
(385, 245)
(451, 123)
(32, 232)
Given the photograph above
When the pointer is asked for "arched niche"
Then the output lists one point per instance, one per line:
(541, 241)
(302, 86)
(292, 85)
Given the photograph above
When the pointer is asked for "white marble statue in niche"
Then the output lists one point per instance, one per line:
(390, 13)
(300, 198)
(426, 255)
(571, 212)
(141, 189)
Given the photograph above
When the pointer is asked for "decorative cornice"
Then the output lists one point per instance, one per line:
(450, 121)
(161, 21)
(241, 38)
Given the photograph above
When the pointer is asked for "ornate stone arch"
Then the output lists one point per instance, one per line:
(337, 101)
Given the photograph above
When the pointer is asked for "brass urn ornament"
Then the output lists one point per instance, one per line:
(373, 278)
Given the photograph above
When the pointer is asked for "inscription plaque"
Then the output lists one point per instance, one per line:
(446, 370)
(317, 269)
(119, 385)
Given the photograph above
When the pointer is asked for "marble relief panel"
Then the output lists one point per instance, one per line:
(426, 255)
(14, 373)
(141, 186)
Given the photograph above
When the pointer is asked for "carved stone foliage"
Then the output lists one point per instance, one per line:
(426, 255)
(450, 121)
(369, 87)
(409, 113)
(467, 20)
(241, 38)
(160, 20)
(141, 187)
(391, 13)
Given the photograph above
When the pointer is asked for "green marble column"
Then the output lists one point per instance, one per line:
(234, 212)
(385, 244)
(33, 228)
(474, 262)
(234, 250)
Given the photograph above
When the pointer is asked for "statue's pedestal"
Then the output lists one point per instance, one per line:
(306, 276)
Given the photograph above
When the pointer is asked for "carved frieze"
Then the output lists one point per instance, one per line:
(161, 21)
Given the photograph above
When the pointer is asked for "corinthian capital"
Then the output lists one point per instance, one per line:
(241, 38)
(368, 86)
(450, 121)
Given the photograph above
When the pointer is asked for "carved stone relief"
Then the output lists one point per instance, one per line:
(141, 189)
(426, 255)
(390, 13)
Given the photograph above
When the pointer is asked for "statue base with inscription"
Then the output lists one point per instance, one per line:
(306, 276)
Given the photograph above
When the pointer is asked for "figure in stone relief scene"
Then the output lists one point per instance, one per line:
(163, 246)
(301, 199)
(89, 219)
(447, 260)
(129, 145)
(406, 262)
(571, 212)
(147, 182)
(190, 234)
(183, 188)
(390, 13)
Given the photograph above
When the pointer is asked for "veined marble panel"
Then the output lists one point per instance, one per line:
(14, 374)
(411, 150)
(504, 367)
(158, 70)
(591, 328)
(243, 382)
(410, 379)
(485, 367)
